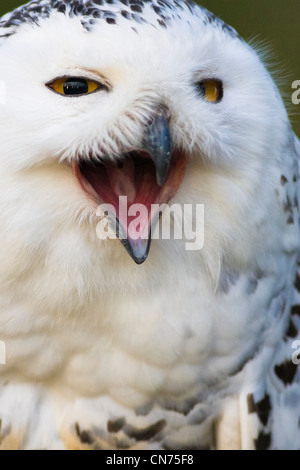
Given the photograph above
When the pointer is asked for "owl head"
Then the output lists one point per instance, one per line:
(153, 102)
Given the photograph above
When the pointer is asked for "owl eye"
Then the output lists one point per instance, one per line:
(210, 90)
(74, 86)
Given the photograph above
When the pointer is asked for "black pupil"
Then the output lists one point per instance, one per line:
(201, 89)
(76, 86)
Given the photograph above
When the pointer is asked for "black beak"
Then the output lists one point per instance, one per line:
(138, 249)
(158, 143)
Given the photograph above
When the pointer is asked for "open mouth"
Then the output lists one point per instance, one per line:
(136, 184)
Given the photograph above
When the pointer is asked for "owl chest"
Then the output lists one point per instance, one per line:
(137, 346)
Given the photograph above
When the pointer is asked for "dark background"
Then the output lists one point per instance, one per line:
(275, 23)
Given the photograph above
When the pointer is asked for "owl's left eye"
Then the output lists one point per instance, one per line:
(210, 90)
(74, 86)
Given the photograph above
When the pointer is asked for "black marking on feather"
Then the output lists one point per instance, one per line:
(116, 426)
(295, 310)
(292, 331)
(145, 434)
(262, 408)
(263, 442)
(84, 436)
(286, 372)
(297, 282)
(111, 11)
(213, 19)
(95, 437)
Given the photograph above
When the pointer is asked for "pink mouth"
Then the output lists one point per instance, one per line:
(132, 175)
(145, 177)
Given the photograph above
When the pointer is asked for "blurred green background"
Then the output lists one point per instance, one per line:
(274, 22)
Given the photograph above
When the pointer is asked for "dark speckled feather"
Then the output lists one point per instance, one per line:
(110, 11)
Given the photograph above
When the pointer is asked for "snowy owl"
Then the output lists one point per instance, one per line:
(116, 344)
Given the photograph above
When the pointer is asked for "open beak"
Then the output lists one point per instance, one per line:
(145, 178)
(158, 143)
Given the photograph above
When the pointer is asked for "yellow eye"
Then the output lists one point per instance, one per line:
(211, 90)
(74, 86)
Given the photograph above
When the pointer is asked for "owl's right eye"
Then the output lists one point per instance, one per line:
(74, 86)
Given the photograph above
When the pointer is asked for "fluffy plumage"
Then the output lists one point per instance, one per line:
(190, 349)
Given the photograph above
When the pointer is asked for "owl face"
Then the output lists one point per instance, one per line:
(151, 109)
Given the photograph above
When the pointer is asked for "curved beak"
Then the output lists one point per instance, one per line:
(137, 184)
(158, 143)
